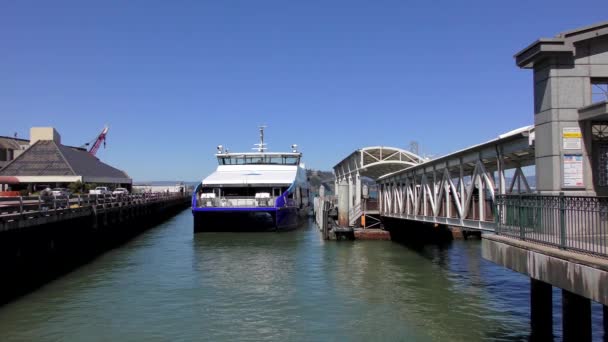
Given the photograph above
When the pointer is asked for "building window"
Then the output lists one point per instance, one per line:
(599, 90)
(599, 131)
(4, 154)
(602, 164)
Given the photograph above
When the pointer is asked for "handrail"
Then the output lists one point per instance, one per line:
(354, 213)
(235, 202)
(575, 223)
(32, 204)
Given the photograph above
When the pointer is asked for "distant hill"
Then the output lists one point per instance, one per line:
(318, 177)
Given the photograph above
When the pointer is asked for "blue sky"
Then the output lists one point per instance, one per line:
(173, 79)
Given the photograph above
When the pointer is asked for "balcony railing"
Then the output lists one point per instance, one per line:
(576, 223)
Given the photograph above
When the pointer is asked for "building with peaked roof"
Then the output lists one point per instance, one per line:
(46, 162)
(11, 148)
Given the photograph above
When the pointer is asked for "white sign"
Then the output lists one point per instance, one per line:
(573, 170)
(572, 138)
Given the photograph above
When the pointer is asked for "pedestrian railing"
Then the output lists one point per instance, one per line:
(12, 206)
(576, 223)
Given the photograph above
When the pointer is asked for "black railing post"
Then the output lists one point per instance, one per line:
(562, 221)
(520, 209)
(496, 213)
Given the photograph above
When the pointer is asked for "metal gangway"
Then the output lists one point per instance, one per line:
(460, 189)
(372, 163)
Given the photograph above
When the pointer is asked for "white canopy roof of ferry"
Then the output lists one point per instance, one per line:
(252, 174)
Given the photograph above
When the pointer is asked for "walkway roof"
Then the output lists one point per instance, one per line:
(376, 161)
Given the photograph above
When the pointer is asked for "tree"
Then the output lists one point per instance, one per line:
(90, 186)
(75, 187)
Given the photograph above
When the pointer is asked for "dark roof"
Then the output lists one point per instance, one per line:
(46, 158)
(85, 164)
(12, 143)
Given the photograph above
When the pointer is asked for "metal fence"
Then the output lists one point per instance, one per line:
(236, 202)
(11, 206)
(577, 223)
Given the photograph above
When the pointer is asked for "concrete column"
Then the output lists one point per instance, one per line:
(351, 190)
(336, 186)
(343, 204)
(541, 310)
(357, 189)
(576, 313)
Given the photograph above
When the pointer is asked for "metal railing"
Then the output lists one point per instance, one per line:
(236, 202)
(11, 206)
(354, 214)
(577, 223)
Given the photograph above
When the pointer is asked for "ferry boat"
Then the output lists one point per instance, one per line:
(253, 191)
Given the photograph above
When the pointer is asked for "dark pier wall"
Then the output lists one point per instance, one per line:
(409, 231)
(32, 256)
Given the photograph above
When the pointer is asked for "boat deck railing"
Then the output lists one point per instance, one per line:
(236, 202)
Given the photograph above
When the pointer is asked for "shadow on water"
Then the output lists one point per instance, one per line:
(448, 279)
(32, 257)
(498, 289)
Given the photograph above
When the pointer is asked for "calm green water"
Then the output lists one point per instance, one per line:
(172, 285)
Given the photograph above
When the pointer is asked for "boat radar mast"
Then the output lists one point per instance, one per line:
(261, 147)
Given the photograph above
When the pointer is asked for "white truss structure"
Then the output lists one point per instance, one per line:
(372, 162)
(459, 189)
(375, 162)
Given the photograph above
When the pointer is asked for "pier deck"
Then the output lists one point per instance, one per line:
(24, 212)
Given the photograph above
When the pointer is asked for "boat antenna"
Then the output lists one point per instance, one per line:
(261, 147)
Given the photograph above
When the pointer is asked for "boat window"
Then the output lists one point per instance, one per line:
(290, 160)
(241, 191)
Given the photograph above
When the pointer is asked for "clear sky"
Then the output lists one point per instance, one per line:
(173, 79)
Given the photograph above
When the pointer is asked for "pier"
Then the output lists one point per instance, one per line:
(31, 211)
(536, 193)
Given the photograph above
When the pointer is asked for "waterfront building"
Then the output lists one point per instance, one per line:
(48, 163)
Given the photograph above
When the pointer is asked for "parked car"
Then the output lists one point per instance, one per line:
(120, 191)
(61, 192)
(100, 190)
